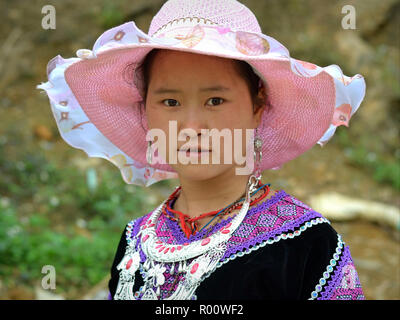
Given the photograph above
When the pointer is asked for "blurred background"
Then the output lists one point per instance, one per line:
(59, 207)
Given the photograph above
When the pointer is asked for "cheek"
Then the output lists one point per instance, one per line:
(240, 126)
(240, 117)
(150, 116)
(155, 118)
(244, 120)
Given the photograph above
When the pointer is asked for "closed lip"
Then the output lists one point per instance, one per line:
(193, 149)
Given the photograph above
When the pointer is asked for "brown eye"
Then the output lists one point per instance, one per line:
(216, 101)
(170, 100)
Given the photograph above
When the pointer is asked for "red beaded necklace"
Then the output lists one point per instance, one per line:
(189, 224)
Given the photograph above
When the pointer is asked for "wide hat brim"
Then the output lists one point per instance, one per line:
(96, 106)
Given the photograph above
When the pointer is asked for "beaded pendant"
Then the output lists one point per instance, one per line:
(194, 261)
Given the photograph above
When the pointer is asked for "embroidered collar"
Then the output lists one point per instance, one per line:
(279, 218)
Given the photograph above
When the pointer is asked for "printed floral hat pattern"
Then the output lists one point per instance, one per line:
(96, 107)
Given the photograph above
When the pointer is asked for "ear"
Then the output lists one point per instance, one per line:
(258, 115)
(261, 96)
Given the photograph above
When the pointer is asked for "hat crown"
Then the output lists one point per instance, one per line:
(227, 13)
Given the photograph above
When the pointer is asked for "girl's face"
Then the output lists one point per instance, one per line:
(199, 92)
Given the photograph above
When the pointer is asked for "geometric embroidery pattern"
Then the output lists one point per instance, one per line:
(280, 217)
(269, 220)
(344, 283)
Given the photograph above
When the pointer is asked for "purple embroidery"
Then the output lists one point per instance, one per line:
(280, 214)
(344, 283)
(171, 281)
(170, 231)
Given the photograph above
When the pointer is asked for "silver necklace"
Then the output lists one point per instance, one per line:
(205, 254)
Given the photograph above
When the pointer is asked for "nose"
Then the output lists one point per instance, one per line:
(190, 128)
(191, 124)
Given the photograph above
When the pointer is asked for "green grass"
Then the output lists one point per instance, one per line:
(110, 16)
(61, 216)
(28, 245)
(385, 170)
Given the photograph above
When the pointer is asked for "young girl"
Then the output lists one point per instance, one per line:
(155, 104)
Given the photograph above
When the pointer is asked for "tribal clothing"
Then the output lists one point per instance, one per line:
(281, 250)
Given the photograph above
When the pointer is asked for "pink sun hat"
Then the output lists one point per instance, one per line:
(96, 107)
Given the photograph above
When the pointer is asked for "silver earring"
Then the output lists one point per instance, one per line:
(257, 154)
(149, 156)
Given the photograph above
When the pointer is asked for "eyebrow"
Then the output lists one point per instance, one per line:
(214, 88)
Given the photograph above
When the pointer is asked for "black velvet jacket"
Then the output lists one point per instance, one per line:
(312, 263)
